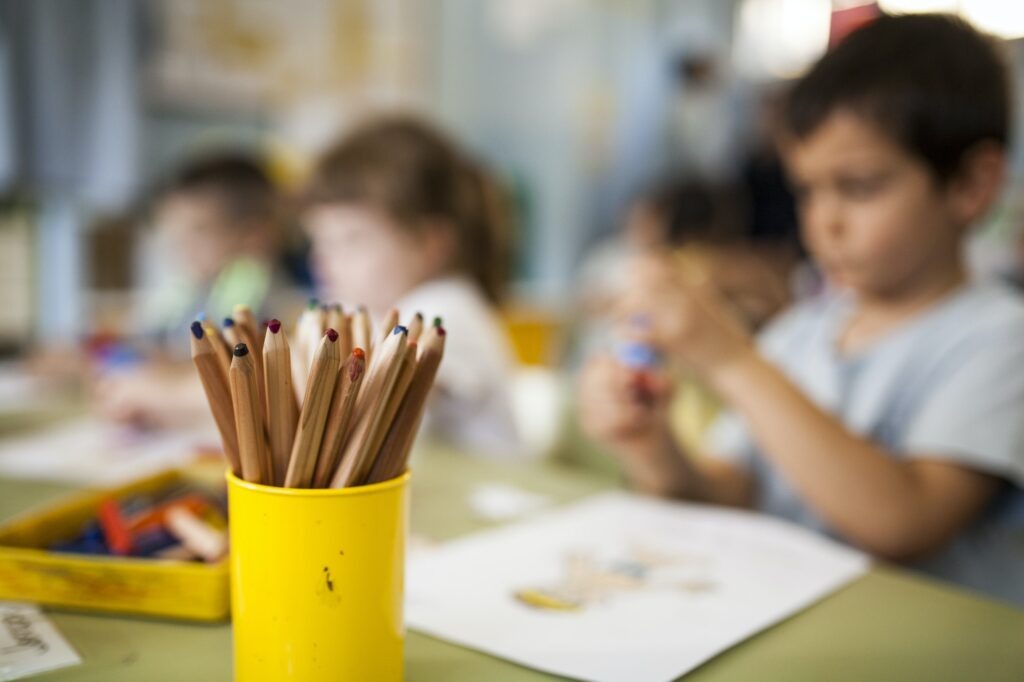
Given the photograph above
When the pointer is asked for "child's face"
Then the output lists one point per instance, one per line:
(874, 218)
(194, 230)
(360, 256)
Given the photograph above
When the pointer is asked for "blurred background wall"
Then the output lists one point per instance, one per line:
(576, 103)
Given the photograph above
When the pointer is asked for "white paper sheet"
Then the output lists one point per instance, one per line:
(29, 643)
(497, 501)
(94, 452)
(621, 588)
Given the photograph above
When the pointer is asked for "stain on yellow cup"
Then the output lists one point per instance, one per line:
(317, 581)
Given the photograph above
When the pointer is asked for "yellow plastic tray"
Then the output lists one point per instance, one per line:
(151, 587)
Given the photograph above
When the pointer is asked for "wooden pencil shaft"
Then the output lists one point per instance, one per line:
(252, 435)
(388, 324)
(362, 332)
(323, 379)
(415, 328)
(247, 321)
(232, 335)
(220, 347)
(339, 419)
(308, 332)
(428, 364)
(397, 444)
(378, 368)
(282, 409)
(387, 414)
(354, 461)
(335, 317)
(345, 345)
(247, 334)
(218, 394)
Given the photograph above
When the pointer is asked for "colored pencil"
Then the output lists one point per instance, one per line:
(221, 348)
(282, 409)
(308, 332)
(339, 418)
(394, 452)
(232, 337)
(245, 325)
(356, 417)
(388, 324)
(323, 378)
(252, 433)
(415, 327)
(215, 384)
(244, 319)
(370, 425)
(362, 330)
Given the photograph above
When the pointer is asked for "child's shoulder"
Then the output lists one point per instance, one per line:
(804, 321)
(990, 305)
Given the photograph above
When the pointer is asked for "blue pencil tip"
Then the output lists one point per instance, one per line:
(400, 330)
(197, 329)
(201, 316)
(228, 322)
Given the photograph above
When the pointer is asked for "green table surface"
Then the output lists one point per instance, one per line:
(888, 625)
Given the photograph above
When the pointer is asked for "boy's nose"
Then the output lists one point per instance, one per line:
(824, 219)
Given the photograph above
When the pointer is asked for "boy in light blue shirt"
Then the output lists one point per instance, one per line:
(890, 411)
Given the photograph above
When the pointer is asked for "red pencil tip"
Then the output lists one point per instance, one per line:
(274, 326)
(332, 335)
(359, 353)
(441, 331)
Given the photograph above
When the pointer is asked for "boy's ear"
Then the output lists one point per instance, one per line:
(973, 190)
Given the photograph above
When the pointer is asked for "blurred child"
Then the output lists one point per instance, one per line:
(888, 412)
(710, 232)
(216, 224)
(401, 218)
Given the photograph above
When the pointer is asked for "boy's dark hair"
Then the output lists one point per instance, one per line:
(238, 182)
(696, 210)
(933, 83)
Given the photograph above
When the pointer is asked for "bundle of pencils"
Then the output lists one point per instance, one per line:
(317, 413)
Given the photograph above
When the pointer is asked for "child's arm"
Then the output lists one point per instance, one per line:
(637, 432)
(897, 508)
(894, 508)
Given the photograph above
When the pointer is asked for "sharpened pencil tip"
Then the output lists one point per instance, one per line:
(313, 304)
(437, 321)
(241, 350)
(331, 334)
(419, 316)
(197, 329)
(400, 330)
(441, 331)
(359, 353)
(201, 316)
(274, 326)
(228, 322)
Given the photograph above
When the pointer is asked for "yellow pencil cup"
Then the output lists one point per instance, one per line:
(317, 581)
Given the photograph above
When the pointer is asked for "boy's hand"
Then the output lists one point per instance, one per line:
(618, 406)
(627, 411)
(685, 318)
